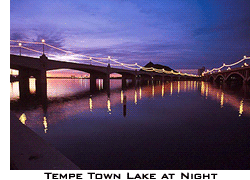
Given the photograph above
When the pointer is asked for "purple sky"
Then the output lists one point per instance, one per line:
(182, 34)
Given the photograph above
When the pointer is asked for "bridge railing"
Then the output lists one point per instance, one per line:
(244, 62)
(38, 48)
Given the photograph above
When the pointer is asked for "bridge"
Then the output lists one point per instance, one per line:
(238, 75)
(37, 67)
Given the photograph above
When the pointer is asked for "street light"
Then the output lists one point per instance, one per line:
(20, 45)
(109, 59)
(90, 60)
(43, 41)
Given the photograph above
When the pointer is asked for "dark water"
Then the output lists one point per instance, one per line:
(178, 125)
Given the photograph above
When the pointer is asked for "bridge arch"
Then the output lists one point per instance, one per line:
(248, 81)
(211, 79)
(235, 78)
(232, 74)
(219, 79)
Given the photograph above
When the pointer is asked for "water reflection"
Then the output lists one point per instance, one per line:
(179, 87)
(140, 92)
(124, 106)
(153, 90)
(241, 107)
(109, 105)
(135, 97)
(222, 100)
(23, 118)
(223, 95)
(162, 90)
(62, 111)
(45, 124)
(90, 104)
(171, 88)
(57, 88)
(121, 96)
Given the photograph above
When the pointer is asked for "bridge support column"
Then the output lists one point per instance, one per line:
(24, 90)
(106, 83)
(133, 80)
(162, 80)
(92, 82)
(246, 77)
(41, 85)
(124, 84)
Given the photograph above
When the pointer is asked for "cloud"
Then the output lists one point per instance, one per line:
(17, 36)
(180, 33)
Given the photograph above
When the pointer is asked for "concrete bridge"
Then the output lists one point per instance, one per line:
(37, 67)
(235, 76)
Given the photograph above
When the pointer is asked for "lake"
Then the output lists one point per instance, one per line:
(175, 125)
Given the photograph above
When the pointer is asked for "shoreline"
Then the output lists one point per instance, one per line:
(28, 151)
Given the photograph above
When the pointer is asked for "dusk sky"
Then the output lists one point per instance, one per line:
(182, 34)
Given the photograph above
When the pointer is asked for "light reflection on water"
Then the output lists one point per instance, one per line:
(180, 105)
(61, 87)
(58, 88)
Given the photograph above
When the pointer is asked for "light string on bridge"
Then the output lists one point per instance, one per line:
(228, 65)
(91, 59)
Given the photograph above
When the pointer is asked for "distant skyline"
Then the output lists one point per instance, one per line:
(181, 34)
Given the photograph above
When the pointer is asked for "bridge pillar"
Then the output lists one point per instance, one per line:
(246, 77)
(124, 84)
(133, 78)
(106, 82)
(41, 84)
(41, 79)
(162, 79)
(24, 90)
(92, 82)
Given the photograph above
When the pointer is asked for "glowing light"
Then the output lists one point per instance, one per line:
(90, 104)
(241, 107)
(32, 85)
(162, 90)
(171, 88)
(45, 124)
(23, 118)
(179, 87)
(109, 106)
(140, 93)
(43, 41)
(206, 90)
(135, 97)
(99, 84)
(121, 96)
(153, 90)
(222, 100)
(202, 88)
(20, 44)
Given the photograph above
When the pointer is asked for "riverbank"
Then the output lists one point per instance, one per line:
(28, 151)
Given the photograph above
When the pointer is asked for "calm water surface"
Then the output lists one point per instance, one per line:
(177, 125)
